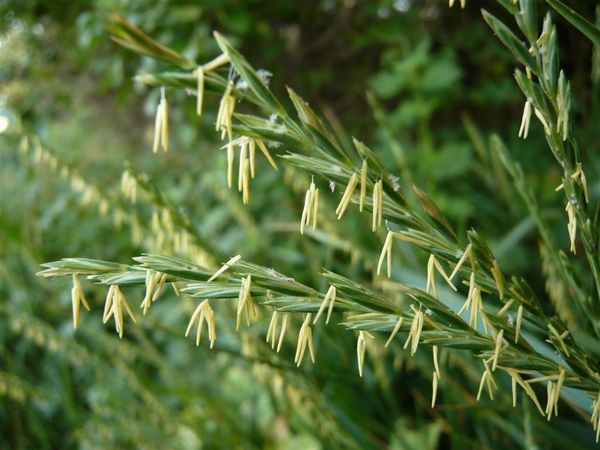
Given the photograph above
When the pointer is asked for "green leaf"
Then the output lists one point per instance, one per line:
(508, 38)
(305, 112)
(433, 211)
(361, 294)
(527, 18)
(128, 35)
(457, 339)
(82, 266)
(581, 23)
(245, 70)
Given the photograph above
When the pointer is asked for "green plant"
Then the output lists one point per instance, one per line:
(499, 306)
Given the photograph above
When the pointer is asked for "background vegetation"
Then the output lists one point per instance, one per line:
(423, 84)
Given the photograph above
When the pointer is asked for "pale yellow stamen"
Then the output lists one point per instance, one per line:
(243, 156)
(525, 120)
(579, 174)
(304, 340)
(115, 302)
(498, 279)
(164, 133)
(377, 201)
(108, 304)
(282, 332)
(442, 272)
(543, 121)
(216, 62)
(473, 303)
(265, 151)
(246, 183)
(77, 298)
(199, 90)
(363, 185)
(386, 251)
(432, 264)
(161, 124)
(315, 209)
(205, 313)
(596, 416)
(328, 300)
(434, 388)
(159, 288)
(272, 330)
(361, 345)
(431, 289)
(572, 225)
(550, 399)
(488, 379)
(415, 332)
(527, 388)
(345, 201)
(560, 339)
(559, 384)
(152, 279)
(505, 308)
(380, 204)
(518, 323)
(309, 213)
(497, 348)
(435, 361)
(244, 302)
(226, 109)
(461, 261)
(514, 391)
(394, 331)
(224, 267)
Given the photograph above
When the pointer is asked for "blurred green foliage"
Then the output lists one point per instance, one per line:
(426, 85)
